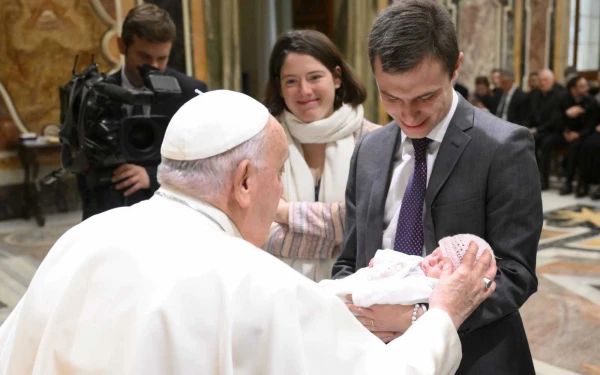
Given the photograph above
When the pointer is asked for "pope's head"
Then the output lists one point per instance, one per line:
(224, 148)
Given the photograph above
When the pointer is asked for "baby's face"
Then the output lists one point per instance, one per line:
(432, 264)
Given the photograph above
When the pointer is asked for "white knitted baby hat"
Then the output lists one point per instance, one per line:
(455, 247)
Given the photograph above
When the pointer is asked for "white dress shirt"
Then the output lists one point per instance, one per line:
(404, 164)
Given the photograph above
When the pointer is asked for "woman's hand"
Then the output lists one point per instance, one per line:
(282, 216)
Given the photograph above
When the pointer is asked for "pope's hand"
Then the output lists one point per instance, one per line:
(458, 293)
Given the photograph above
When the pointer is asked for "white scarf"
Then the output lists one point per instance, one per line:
(337, 131)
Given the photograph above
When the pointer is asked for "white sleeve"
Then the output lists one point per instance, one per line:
(308, 331)
(432, 345)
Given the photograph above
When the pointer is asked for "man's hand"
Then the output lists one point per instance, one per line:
(130, 176)
(385, 321)
(460, 292)
(575, 111)
(598, 128)
(532, 130)
(282, 216)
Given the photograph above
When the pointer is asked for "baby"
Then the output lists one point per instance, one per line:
(396, 278)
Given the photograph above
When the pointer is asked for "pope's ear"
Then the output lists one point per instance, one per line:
(241, 183)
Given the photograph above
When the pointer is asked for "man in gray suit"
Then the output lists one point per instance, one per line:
(441, 168)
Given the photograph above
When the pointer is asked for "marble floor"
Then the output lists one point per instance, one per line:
(562, 319)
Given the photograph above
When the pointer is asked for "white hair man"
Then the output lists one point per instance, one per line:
(177, 284)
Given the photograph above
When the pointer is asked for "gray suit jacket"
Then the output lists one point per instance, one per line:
(485, 181)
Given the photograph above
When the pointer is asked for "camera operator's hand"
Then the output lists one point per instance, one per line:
(130, 176)
(460, 292)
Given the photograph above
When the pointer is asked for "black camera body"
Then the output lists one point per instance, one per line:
(104, 125)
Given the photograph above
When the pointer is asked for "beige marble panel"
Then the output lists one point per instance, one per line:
(478, 38)
(538, 48)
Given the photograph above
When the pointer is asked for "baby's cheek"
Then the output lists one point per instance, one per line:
(371, 263)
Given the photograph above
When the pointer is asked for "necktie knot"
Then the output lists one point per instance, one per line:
(420, 146)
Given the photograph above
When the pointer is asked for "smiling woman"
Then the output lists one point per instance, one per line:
(317, 98)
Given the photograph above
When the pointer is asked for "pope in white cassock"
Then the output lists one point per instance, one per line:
(177, 284)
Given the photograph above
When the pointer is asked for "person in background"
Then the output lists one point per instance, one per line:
(317, 98)
(484, 94)
(462, 90)
(545, 118)
(513, 106)
(147, 35)
(533, 81)
(579, 111)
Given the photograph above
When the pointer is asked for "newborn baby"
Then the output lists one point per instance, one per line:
(396, 278)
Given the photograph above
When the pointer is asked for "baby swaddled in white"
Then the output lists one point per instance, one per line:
(395, 278)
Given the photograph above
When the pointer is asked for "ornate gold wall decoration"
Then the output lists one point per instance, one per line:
(39, 40)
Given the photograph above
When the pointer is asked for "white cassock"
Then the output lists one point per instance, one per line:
(159, 288)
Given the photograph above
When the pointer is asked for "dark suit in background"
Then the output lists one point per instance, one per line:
(583, 124)
(462, 90)
(484, 182)
(516, 107)
(95, 195)
(546, 117)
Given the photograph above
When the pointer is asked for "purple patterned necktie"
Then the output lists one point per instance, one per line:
(409, 232)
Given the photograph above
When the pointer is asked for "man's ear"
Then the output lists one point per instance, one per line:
(457, 66)
(121, 44)
(242, 183)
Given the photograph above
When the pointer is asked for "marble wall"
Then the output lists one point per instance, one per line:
(537, 14)
(479, 38)
(520, 35)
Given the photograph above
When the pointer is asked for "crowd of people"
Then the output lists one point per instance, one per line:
(564, 120)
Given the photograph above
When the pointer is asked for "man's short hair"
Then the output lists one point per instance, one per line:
(533, 74)
(482, 80)
(150, 23)
(408, 32)
(508, 73)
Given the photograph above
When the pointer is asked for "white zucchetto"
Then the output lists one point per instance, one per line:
(212, 123)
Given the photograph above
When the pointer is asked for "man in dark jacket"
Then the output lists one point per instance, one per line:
(545, 122)
(147, 37)
(513, 106)
(579, 115)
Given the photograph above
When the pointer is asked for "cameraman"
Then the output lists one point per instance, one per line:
(147, 36)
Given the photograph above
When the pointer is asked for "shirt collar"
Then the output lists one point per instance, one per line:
(218, 215)
(126, 84)
(437, 133)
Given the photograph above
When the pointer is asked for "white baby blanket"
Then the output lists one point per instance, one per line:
(394, 279)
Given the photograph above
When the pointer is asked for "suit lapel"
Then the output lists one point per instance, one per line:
(381, 183)
(454, 143)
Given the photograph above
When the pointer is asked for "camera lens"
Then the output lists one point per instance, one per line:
(141, 137)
